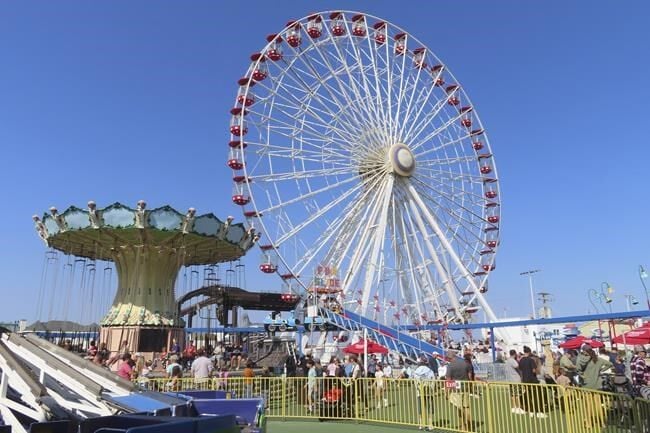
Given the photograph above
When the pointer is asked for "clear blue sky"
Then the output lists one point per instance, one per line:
(123, 100)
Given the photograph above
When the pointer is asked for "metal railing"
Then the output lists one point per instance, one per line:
(485, 407)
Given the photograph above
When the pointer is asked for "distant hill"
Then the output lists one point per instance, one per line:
(61, 325)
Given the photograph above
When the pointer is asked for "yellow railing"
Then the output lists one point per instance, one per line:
(490, 407)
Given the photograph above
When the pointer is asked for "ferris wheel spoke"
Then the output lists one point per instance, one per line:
(330, 155)
(344, 88)
(400, 91)
(329, 104)
(448, 175)
(373, 272)
(419, 119)
(418, 126)
(472, 219)
(309, 195)
(310, 128)
(470, 227)
(320, 213)
(316, 123)
(477, 204)
(293, 175)
(380, 114)
(381, 95)
(411, 242)
(362, 211)
(417, 200)
(353, 50)
(419, 214)
(465, 274)
(454, 160)
(367, 229)
(444, 127)
(412, 90)
(343, 229)
(354, 69)
(301, 151)
(445, 145)
(419, 98)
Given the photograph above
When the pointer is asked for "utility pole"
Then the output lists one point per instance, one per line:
(545, 310)
(530, 282)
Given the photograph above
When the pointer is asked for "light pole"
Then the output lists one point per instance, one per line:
(602, 296)
(605, 291)
(643, 275)
(630, 300)
(593, 296)
(530, 283)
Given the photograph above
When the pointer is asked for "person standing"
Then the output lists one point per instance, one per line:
(512, 376)
(458, 370)
(380, 386)
(126, 367)
(567, 362)
(248, 374)
(189, 354)
(639, 368)
(424, 401)
(174, 349)
(591, 370)
(528, 367)
(311, 384)
(201, 369)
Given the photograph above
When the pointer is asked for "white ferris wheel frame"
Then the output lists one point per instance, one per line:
(382, 222)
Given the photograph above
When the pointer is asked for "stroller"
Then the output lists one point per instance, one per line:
(333, 404)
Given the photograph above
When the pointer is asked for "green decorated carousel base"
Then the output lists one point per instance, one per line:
(131, 315)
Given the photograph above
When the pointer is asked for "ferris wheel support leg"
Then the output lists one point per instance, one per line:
(354, 267)
(434, 255)
(416, 275)
(433, 223)
(379, 238)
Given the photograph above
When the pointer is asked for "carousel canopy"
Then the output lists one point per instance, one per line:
(102, 233)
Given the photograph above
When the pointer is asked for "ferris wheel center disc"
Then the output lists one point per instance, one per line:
(401, 159)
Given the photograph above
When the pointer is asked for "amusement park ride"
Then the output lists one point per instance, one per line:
(354, 148)
(354, 152)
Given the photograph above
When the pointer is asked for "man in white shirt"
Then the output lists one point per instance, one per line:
(422, 375)
(201, 368)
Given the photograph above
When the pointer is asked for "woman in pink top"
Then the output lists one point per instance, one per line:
(126, 368)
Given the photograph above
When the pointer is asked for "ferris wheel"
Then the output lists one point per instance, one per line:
(354, 149)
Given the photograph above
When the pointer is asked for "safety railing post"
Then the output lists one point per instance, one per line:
(489, 395)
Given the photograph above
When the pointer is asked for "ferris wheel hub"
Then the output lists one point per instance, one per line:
(401, 159)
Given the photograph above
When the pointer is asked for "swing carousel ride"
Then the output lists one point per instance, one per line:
(148, 248)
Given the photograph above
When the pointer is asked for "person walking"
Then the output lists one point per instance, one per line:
(422, 376)
(458, 370)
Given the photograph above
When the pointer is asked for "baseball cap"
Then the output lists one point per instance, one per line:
(639, 348)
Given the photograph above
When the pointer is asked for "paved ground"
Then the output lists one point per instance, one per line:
(331, 427)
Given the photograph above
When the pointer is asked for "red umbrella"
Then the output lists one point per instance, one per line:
(575, 343)
(358, 347)
(636, 336)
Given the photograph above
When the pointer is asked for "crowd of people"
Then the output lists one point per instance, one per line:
(587, 368)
